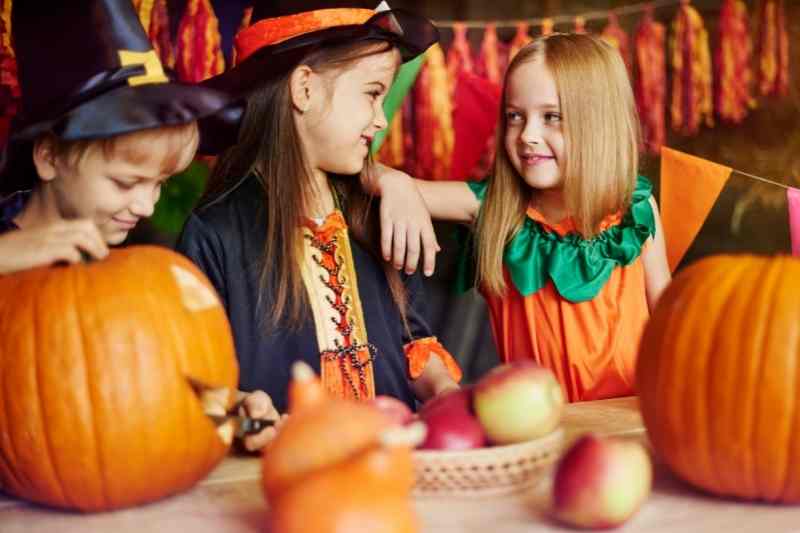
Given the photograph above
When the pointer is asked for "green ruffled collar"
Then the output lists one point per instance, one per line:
(579, 268)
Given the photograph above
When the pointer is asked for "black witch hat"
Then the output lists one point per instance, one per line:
(87, 70)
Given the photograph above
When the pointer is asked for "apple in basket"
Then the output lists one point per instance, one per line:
(518, 401)
(600, 482)
(451, 423)
(395, 410)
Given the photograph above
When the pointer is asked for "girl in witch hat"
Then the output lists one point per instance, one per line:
(290, 239)
(569, 251)
(100, 129)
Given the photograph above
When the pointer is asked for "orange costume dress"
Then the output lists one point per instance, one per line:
(574, 305)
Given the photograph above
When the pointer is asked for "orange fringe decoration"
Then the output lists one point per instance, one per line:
(521, 38)
(547, 26)
(650, 86)
(5, 30)
(419, 352)
(580, 25)
(9, 85)
(492, 63)
(159, 33)
(143, 8)
(492, 59)
(773, 47)
(692, 99)
(459, 57)
(734, 76)
(434, 134)
(199, 51)
(247, 16)
(616, 37)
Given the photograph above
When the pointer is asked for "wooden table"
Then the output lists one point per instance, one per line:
(230, 500)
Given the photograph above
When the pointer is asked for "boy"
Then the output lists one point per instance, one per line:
(100, 129)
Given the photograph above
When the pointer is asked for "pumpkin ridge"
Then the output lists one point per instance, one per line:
(177, 365)
(101, 470)
(727, 300)
(5, 468)
(766, 291)
(45, 430)
(788, 467)
(704, 439)
(668, 380)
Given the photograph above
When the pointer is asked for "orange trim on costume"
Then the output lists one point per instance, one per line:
(330, 277)
(275, 30)
(567, 225)
(419, 352)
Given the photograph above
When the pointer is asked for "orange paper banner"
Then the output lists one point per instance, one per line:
(689, 187)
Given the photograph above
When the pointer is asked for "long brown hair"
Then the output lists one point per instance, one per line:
(601, 147)
(269, 145)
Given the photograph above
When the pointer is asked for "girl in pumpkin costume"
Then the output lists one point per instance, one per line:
(568, 249)
(288, 235)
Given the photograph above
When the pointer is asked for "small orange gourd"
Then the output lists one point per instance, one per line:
(96, 410)
(718, 377)
(330, 470)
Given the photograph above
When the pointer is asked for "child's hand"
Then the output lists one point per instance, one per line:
(258, 404)
(44, 245)
(444, 386)
(406, 227)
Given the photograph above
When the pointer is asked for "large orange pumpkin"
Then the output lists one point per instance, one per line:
(328, 471)
(718, 377)
(96, 412)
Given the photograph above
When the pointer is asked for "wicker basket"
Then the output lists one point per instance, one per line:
(491, 470)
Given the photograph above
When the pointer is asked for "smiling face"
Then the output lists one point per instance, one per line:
(115, 182)
(345, 112)
(534, 140)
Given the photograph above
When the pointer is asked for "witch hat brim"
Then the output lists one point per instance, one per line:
(126, 109)
(260, 59)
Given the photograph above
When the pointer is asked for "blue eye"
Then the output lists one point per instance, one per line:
(513, 116)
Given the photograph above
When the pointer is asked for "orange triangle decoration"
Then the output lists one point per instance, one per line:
(689, 187)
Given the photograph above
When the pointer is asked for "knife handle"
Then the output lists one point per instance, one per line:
(252, 426)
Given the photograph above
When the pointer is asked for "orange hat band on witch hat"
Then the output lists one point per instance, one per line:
(271, 31)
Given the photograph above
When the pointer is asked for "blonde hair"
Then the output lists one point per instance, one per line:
(175, 145)
(601, 146)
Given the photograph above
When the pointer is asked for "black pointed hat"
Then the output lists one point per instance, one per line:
(87, 70)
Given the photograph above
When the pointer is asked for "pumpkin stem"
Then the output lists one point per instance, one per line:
(306, 389)
(409, 436)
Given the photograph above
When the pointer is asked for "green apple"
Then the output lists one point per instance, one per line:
(518, 402)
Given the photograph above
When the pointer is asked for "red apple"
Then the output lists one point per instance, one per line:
(451, 423)
(458, 399)
(518, 402)
(396, 411)
(601, 482)
(453, 432)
